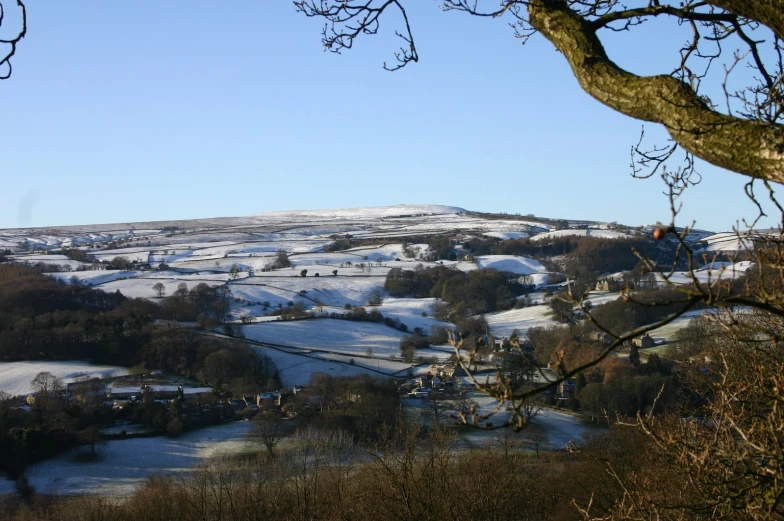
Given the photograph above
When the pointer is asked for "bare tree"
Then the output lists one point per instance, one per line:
(47, 384)
(92, 438)
(437, 407)
(530, 408)
(159, 289)
(746, 139)
(267, 433)
(376, 297)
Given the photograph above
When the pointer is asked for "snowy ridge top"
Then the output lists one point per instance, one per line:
(399, 210)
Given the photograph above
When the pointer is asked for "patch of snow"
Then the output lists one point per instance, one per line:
(604, 234)
(512, 263)
(16, 377)
(339, 336)
(124, 464)
(507, 235)
(504, 322)
(371, 212)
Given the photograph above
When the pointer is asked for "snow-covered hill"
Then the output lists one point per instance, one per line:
(373, 212)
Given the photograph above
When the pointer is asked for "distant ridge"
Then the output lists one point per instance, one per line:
(398, 210)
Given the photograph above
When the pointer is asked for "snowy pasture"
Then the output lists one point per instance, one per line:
(60, 260)
(560, 429)
(95, 277)
(504, 322)
(591, 232)
(123, 465)
(298, 369)
(339, 336)
(409, 311)
(710, 274)
(597, 298)
(332, 291)
(726, 242)
(15, 377)
(142, 287)
(511, 263)
(505, 236)
(669, 331)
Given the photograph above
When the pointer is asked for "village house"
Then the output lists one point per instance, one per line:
(644, 341)
(158, 392)
(445, 370)
(566, 389)
(601, 336)
(197, 394)
(124, 393)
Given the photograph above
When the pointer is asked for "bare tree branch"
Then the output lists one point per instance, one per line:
(10, 43)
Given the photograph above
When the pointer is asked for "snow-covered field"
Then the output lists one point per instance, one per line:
(560, 429)
(604, 234)
(669, 331)
(60, 260)
(15, 377)
(340, 336)
(504, 322)
(142, 287)
(124, 464)
(505, 236)
(96, 277)
(727, 242)
(711, 273)
(378, 212)
(296, 369)
(410, 312)
(332, 291)
(597, 298)
(512, 263)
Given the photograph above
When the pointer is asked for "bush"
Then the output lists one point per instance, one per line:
(438, 335)
(409, 345)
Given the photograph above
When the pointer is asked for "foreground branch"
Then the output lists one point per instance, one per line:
(748, 147)
(5, 59)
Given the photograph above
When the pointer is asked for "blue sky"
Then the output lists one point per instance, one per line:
(121, 111)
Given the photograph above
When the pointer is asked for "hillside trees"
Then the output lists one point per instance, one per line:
(44, 319)
(281, 260)
(471, 293)
(120, 263)
(562, 307)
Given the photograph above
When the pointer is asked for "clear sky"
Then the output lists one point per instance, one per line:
(150, 110)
